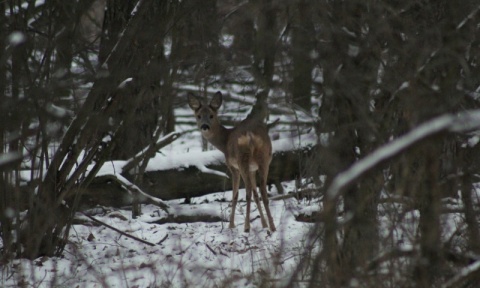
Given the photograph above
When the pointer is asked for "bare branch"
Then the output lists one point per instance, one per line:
(134, 161)
(463, 122)
(116, 230)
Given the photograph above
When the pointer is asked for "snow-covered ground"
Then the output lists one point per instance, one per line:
(192, 254)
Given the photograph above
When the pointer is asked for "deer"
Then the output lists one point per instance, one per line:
(248, 150)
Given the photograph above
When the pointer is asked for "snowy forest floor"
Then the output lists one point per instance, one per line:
(189, 254)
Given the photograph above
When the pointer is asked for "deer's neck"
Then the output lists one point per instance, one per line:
(219, 137)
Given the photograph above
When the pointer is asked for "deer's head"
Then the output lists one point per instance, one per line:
(206, 115)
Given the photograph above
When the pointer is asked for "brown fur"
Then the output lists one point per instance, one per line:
(247, 148)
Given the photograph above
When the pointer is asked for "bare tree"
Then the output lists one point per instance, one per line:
(303, 53)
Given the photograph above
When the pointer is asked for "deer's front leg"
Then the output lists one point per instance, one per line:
(235, 187)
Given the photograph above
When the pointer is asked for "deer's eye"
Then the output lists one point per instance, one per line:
(211, 116)
(198, 116)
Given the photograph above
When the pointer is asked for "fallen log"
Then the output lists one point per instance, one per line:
(190, 181)
(189, 175)
(189, 219)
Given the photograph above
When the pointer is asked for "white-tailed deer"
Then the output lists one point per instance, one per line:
(247, 148)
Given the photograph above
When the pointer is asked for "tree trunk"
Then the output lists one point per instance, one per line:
(471, 219)
(137, 67)
(265, 44)
(350, 69)
(302, 49)
(428, 200)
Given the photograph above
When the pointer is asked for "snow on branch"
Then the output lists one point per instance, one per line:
(134, 189)
(462, 122)
(9, 158)
(464, 275)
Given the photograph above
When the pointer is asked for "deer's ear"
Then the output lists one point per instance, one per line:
(216, 101)
(193, 101)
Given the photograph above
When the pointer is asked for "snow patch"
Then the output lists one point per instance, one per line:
(57, 111)
(7, 158)
(16, 38)
(124, 83)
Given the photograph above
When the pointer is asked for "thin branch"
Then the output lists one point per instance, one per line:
(466, 275)
(134, 161)
(462, 122)
(163, 240)
(388, 256)
(119, 231)
(211, 250)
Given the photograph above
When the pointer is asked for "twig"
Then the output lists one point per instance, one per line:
(163, 240)
(221, 253)
(210, 248)
(314, 193)
(116, 230)
(272, 124)
(388, 256)
(146, 152)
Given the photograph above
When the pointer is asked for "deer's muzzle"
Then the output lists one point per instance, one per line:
(205, 127)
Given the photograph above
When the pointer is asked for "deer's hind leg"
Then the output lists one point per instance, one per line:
(263, 173)
(256, 198)
(248, 187)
